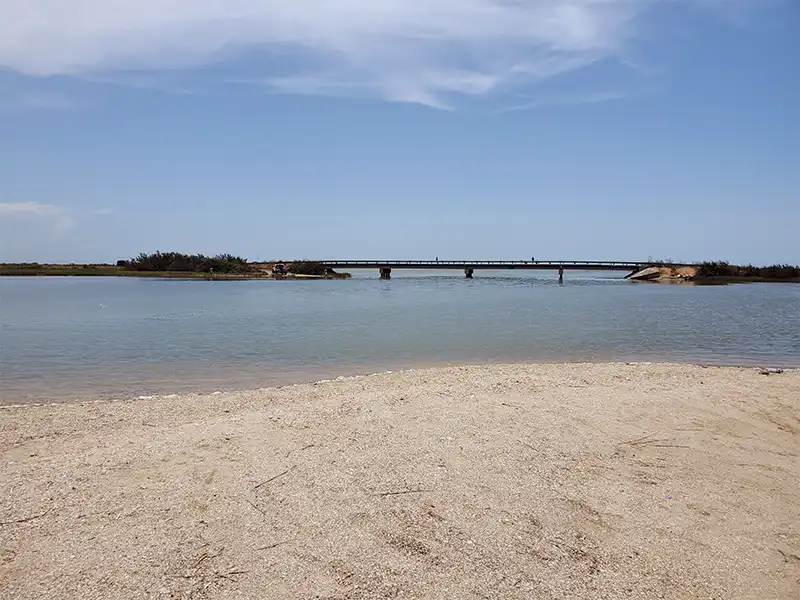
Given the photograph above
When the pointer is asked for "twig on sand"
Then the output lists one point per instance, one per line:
(273, 478)
(648, 440)
(400, 492)
(299, 449)
(228, 575)
(668, 446)
(527, 445)
(787, 556)
(205, 556)
(26, 519)
(275, 545)
(256, 507)
(640, 440)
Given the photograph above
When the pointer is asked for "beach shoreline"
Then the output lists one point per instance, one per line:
(21, 395)
(588, 480)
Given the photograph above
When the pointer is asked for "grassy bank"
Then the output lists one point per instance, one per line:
(33, 270)
(716, 273)
(258, 271)
(179, 266)
(724, 272)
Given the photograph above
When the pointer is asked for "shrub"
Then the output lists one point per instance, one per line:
(307, 267)
(193, 263)
(659, 262)
(723, 269)
(780, 272)
(715, 269)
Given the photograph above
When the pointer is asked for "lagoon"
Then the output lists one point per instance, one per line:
(67, 338)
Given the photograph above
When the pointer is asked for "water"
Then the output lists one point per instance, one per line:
(68, 338)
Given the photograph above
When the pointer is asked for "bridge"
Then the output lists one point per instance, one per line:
(385, 267)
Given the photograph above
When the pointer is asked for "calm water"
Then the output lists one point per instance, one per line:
(64, 338)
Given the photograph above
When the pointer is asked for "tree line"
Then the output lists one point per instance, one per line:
(187, 263)
(724, 269)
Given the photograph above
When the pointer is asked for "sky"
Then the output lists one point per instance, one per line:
(400, 129)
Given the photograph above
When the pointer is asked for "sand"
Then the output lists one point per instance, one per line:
(543, 481)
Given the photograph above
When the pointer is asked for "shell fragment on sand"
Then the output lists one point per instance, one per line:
(770, 371)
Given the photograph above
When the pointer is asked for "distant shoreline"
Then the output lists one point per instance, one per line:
(102, 270)
(691, 275)
(666, 274)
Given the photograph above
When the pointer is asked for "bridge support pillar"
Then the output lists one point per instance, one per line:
(560, 274)
(468, 272)
(386, 273)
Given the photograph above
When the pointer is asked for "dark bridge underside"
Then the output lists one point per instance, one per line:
(488, 264)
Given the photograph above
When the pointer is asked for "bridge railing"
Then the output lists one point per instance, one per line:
(484, 262)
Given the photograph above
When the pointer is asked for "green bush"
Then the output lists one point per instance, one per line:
(189, 263)
(660, 262)
(307, 267)
(715, 269)
(780, 272)
(724, 269)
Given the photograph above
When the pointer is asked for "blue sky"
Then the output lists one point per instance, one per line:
(483, 129)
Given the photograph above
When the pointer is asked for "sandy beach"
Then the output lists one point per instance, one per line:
(539, 481)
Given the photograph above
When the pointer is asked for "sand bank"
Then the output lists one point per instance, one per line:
(544, 481)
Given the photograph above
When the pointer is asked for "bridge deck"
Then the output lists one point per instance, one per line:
(574, 265)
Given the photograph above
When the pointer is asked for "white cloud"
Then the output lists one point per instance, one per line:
(29, 208)
(57, 216)
(423, 51)
(102, 212)
(65, 223)
(590, 98)
(16, 102)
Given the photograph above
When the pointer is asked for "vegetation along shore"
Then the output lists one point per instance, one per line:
(182, 266)
(716, 272)
(228, 266)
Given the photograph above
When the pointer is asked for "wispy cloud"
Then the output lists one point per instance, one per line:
(423, 51)
(29, 208)
(102, 212)
(531, 103)
(25, 101)
(56, 215)
(152, 82)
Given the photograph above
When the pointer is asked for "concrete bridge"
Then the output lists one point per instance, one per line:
(385, 267)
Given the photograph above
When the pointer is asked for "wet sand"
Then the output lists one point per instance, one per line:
(540, 481)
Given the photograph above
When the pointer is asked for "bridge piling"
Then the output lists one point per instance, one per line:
(386, 273)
